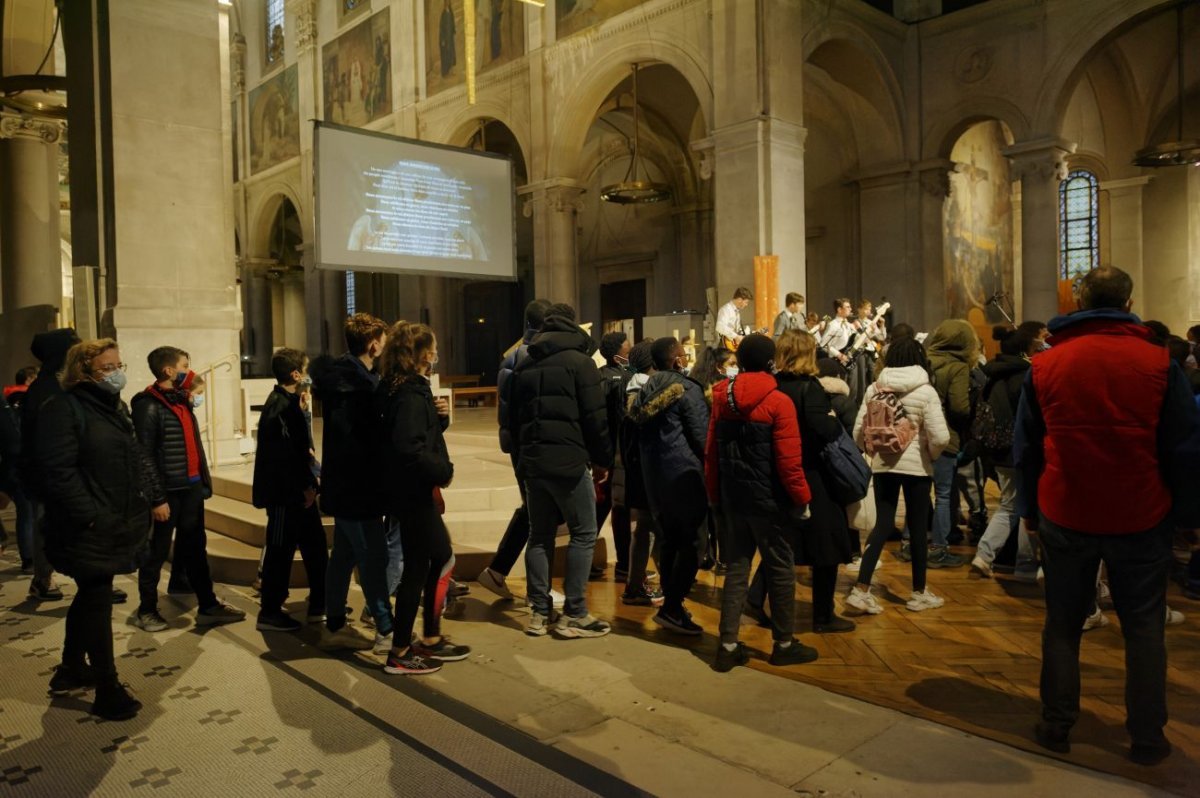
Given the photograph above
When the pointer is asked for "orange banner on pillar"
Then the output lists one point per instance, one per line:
(766, 290)
(1066, 296)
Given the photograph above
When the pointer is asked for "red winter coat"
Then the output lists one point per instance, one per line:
(752, 458)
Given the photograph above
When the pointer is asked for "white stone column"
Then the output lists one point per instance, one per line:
(1039, 164)
(554, 206)
(258, 329)
(928, 253)
(1125, 228)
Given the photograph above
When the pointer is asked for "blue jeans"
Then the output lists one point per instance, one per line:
(1000, 527)
(358, 543)
(548, 501)
(26, 516)
(395, 557)
(944, 470)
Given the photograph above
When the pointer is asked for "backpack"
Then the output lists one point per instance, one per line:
(885, 427)
(992, 424)
(849, 475)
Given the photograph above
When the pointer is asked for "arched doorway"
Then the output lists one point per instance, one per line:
(273, 287)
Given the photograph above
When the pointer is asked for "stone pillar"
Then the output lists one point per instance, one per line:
(690, 229)
(30, 250)
(930, 191)
(1125, 229)
(1039, 164)
(554, 206)
(257, 334)
(885, 232)
(759, 142)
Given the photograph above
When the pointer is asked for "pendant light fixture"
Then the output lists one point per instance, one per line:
(1180, 152)
(633, 189)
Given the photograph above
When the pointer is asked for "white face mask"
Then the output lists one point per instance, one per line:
(731, 371)
(198, 400)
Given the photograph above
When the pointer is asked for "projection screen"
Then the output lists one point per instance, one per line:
(390, 204)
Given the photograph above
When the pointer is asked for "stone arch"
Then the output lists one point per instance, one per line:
(577, 111)
(264, 217)
(457, 129)
(943, 133)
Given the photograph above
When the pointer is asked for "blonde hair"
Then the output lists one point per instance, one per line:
(796, 353)
(78, 366)
(406, 344)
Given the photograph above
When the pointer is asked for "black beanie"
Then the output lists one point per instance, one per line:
(755, 353)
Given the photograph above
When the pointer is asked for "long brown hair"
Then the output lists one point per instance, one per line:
(796, 353)
(407, 343)
(78, 366)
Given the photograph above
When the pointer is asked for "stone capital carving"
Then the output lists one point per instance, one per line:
(935, 177)
(28, 126)
(1042, 159)
(557, 196)
(705, 150)
(306, 24)
(237, 62)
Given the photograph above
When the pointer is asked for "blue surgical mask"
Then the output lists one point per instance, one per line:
(113, 382)
(198, 401)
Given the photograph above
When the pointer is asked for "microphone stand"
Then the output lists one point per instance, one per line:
(995, 300)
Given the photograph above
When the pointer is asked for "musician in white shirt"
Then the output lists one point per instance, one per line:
(874, 327)
(729, 319)
(839, 331)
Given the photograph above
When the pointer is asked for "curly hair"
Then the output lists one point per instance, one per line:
(796, 353)
(407, 342)
(78, 365)
(361, 330)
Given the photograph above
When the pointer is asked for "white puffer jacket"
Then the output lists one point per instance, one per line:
(923, 408)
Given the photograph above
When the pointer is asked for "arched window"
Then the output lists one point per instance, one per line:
(1078, 224)
(274, 31)
(351, 295)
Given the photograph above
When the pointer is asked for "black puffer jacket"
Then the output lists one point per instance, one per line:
(558, 418)
(412, 448)
(100, 484)
(161, 433)
(813, 408)
(283, 461)
(350, 485)
(10, 447)
(672, 419)
(51, 349)
(1005, 373)
(507, 366)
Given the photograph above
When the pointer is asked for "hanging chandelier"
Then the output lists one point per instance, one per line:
(633, 189)
(1180, 152)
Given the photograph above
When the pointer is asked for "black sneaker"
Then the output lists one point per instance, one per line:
(410, 664)
(795, 654)
(219, 613)
(46, 592)
(1141, 754)
(119, 596)
(72, 677)
(442, 651)
(1052, 739)
(115, 702)
(728, 660)
(942, 557)
(278, 621)
(644, 597)
(680, 622)
(834, 625)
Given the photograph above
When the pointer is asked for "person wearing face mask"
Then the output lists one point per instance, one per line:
(673, 419)
(166, 426)
(100, 485)
(351, 488)
(285, 485)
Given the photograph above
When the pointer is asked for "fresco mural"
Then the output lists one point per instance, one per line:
(499, 38)
(978, 228)
(576, 15)
(356, 73)
(274, 121)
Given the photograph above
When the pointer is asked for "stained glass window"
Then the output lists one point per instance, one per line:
(274, 40)
(1078, 224)
(351, 295)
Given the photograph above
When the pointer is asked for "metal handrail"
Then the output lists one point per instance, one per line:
(209, 372)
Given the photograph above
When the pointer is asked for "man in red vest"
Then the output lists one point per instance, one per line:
(1105, 444)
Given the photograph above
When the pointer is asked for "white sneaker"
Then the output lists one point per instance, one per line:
(495, 582)
(924, 601)
(1104, 595)
(863, 601)
(1096, 620)
(982, 567)
(854, 565)
(538, 625)
(1174, 617)
(383, 643)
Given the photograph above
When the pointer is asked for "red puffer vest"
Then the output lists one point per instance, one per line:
(1100, 390)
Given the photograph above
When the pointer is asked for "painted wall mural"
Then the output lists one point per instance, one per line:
(978, 228)
(499, 38)
(356, 73)
(274, 121)
(576, 15)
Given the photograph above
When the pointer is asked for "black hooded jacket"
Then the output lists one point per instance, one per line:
(100, 484)
(557, 417)
(1005, 373)
(283, 462)
(350, 484)
(51, 349)
(413, 450)
(672, 418)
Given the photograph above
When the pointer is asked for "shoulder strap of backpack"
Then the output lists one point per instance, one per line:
(729, 400)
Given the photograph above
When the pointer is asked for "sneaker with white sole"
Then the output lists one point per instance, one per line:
(383, 642)
(680, 623)
(538, 625)
(410, 664)
(854, 565)
(981, 567)
(863, 601)
(1097, 620)
(442, 651)
(924, 600)
(345, 638)
(1175, 617)
(219, 613)
(582, 626)
(495, 581)
(150, 621)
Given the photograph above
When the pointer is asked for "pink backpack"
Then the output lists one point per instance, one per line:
(885, 427)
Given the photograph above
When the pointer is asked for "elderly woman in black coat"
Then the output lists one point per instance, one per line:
(100, 488)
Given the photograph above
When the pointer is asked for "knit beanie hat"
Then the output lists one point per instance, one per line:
(755, 353)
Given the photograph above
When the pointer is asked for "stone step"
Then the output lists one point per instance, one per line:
(231, 488)
(244, 522)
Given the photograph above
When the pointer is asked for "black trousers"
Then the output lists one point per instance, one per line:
(684, 536)
(824, 585)
(427, 550)
(514, 540)
(918, 508)
(1138, 567)
(191, 550)
(89, 627)
(289, 527)
(768, 535)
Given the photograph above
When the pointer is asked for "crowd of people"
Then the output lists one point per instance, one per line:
(787, 446)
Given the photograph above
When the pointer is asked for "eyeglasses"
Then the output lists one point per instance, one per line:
(109, 369)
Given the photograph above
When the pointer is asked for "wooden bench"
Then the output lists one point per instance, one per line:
(475, 396)
(461, 380)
